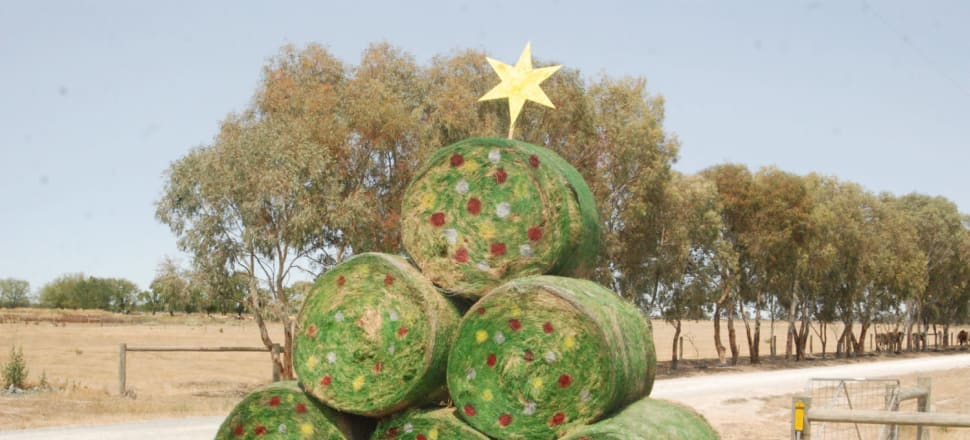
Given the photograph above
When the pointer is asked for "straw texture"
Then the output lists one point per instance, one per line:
(649, 419)
(486, 210)
(541, 355)
(282, 411)
(374, 336)
(424, 424)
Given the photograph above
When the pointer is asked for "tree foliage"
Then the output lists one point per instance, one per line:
(14, 293)
(75, 291)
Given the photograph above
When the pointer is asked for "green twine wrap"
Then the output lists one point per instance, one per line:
(486, 210)
(373, 337)
(541, 355)
(283, 411)
(649, 419)
(424, 424)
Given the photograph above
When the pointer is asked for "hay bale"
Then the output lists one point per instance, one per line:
(373, 337)
(423, 424)
(282, 410)
(649, 419)
(483, 211)
(541, 355)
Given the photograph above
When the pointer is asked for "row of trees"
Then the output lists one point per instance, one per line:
(314, 170)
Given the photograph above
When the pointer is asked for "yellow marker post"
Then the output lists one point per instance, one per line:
(799, 430)
(799, 416)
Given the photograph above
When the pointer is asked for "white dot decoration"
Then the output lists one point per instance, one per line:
(550, 356)
(495, 155)
(281, 429)
(451, 236)
(391, 348)
(584, 395)
(503, 209)
(408, 427)
(499, 338)
(331, 357)
(483, 266)
(525, 250)
(393, 316)
(339, 317)
(530, 408)
(462, 186)
(470, 374)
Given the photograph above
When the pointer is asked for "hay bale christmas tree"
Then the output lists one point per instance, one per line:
(541, 355)
(282, 410)
(483, 211)
(374, 336)
(649, 419)
(426, 424)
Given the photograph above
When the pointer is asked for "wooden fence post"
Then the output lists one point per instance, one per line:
(122, 374)
(276, 369)
(923, 405)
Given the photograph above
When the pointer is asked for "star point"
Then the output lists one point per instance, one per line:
(520, 83)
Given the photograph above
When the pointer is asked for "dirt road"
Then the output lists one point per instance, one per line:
(734, 402)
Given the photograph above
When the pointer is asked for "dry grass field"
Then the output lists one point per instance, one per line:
(78, 355)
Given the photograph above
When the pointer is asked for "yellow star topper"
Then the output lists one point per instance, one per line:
(520, 83)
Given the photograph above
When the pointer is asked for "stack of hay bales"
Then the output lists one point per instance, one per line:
(537, 356)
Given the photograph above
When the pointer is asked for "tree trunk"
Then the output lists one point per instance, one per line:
(732, 334)
(673, 357)
(756, 348)
(747, 331)
(860, 347)
(717, 334)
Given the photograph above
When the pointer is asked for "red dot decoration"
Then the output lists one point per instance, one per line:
(469, 410)
(457, 160)
(239, 431)
(389, 280)
(565, 380)
(557, 419)
(391, 433)
(438, 219)
(461, 255)
(504, 420)
(481, 310)
(474, 206)
(378, 367)
(492, 359)
(534, 161)
(515, 324)
(528, 356)
(498, 249)
(341, 280)
(260, 430)
(501, 175)
(402, 331)
(311, 331)
(274, 401)
(420, 437)
(534, 233)
(300, 408)
(326, 380)
(547, 327)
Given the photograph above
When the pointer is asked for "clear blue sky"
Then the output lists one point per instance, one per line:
(97, 98)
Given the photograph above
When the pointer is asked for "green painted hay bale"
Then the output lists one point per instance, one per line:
(373, 337)
(649, 419)
(541, 355)
(483, 211)
(283, 411)
(422, 424)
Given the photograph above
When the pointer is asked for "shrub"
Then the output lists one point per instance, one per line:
(15, 370)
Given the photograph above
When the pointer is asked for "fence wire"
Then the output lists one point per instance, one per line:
(854, 394)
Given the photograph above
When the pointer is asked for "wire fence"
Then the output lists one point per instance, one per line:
(854, 394)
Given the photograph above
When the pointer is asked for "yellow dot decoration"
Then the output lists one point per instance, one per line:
(311, 362)
(487, 395)
(428, 200)
(569, 342)
(433, 434)
(486, 230)
(515, 311)
(470, 166)
(306, 429)
(481, 336)
(537, 383)
(358, 383)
